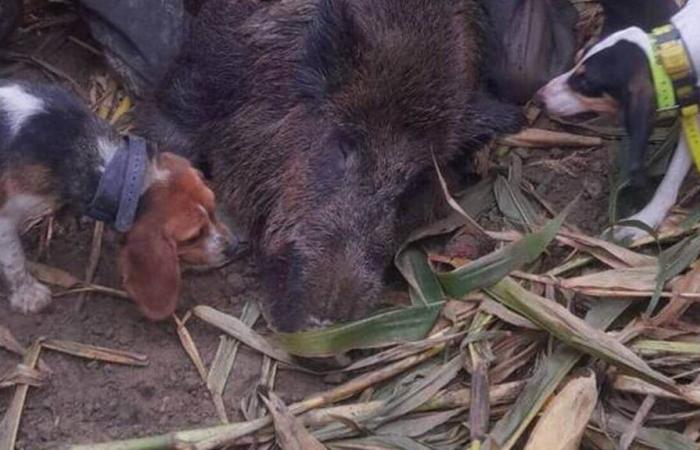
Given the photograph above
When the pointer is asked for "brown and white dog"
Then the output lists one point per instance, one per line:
(56, 153)
(613, 77)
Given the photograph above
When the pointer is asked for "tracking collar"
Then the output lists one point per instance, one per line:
(117, 197)
(675, 82)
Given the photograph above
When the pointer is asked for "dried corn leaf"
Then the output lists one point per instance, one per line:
(424, 390)
(9, 343)
(224, 359)
(219, 373)
(606, 252)
(673, 261)
(564, 421)
(443, 400)
(291, 433)
(96, 353)
(239, 330)
(190, 348)
(10, 422)
(633, 279)
(402, 351)
(379, 443)
(573, 331)
(418, 425)
(21, 374)
(251, 406)
(480, 357)
(626, 383)
(539, 138)
(652, 437)
(53, 276)
(689, 283)
(651, 347)
(546, 379)
(506, 315)
(513, 203)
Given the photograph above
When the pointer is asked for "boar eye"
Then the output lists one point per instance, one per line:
(345, 149)
(347, 152)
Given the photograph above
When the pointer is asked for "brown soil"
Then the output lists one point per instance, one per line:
(85, 401)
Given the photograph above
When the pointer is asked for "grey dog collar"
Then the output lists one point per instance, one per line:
(117, 197)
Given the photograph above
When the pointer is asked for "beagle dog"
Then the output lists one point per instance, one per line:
(55, 153)
(614, 77)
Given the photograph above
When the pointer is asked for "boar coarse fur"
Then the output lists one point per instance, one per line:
(317, 121)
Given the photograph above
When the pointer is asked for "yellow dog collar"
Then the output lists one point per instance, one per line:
(675, 82)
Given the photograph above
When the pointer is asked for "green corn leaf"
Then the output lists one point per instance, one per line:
(380, 330)
(491, 268)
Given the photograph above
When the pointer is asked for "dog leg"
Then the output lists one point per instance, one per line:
(665, 197)
(27, 295)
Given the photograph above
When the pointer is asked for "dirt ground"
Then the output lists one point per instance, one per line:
(85, 401)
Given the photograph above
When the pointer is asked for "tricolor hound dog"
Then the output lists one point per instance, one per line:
(56, 153)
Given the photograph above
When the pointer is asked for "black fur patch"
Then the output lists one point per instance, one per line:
(62, 137)
(331, 49)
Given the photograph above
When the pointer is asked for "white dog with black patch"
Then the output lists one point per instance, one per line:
(614, 76)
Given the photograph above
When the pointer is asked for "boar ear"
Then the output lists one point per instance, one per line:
(332, 48)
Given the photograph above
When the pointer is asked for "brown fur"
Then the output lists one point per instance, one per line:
(176, 223)
(27, 179)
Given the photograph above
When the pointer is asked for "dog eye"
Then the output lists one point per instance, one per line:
(586, 87)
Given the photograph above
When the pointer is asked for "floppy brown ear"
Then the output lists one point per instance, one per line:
(151, 271)
(639, 107)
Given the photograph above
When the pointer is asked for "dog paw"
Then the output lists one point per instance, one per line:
(30, 297)
(625, 234)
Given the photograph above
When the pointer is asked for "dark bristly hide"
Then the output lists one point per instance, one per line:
(318, 121)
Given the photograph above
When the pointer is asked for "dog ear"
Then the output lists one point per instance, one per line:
(639, 109)
(151, 271)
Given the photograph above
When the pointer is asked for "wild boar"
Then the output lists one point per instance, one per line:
(318, 122)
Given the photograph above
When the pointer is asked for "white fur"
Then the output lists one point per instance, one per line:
(106, 149)
(558, 97)
(27, 295)
(667, 193)
(19, 106)
(664, 198)
(155, 174)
